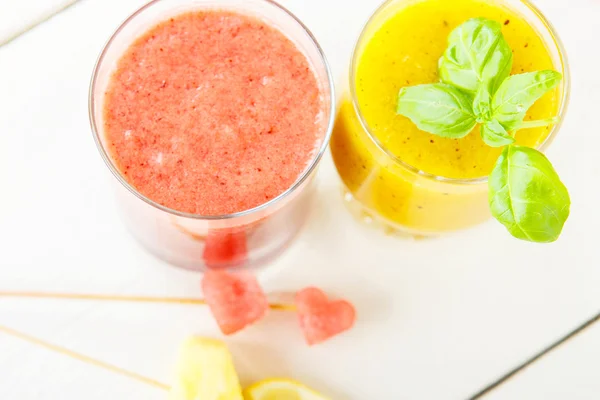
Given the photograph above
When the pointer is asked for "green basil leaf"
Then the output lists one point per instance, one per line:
(518, 93)
(438, 108)
(482, 105)
(527, 196)
(477, 54)
(494, 134)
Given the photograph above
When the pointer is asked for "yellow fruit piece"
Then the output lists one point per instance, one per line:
(205, 372)
(281, 389)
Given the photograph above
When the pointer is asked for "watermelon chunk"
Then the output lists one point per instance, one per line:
(236, 299)
(320, 318)
(225, 248)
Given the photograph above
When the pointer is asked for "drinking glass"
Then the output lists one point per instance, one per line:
(250, 238)
(383, 190)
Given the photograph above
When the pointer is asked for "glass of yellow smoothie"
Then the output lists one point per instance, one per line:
(410, 181)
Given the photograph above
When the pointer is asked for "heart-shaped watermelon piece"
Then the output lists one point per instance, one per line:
(320, 318)
(236, 299)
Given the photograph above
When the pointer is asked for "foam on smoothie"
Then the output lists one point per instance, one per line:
(213, 112)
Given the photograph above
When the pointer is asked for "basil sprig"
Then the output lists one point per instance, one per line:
(526, 194)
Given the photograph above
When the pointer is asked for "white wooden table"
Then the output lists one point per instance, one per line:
(438, 319)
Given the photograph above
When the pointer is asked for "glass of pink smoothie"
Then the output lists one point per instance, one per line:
(213, 116)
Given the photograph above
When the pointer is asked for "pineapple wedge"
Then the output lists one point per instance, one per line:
(205, 372)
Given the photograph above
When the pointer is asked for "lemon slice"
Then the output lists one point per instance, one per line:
(281, 389)
(205, 372)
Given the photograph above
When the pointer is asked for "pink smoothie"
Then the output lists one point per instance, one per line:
(213, 113)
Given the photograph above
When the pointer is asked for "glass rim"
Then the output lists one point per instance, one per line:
(311, 167)
(566, 93)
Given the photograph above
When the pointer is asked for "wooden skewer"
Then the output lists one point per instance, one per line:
(102, 297)
(83, 358)
(125, 298)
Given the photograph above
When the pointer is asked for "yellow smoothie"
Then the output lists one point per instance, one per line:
(412, 180)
